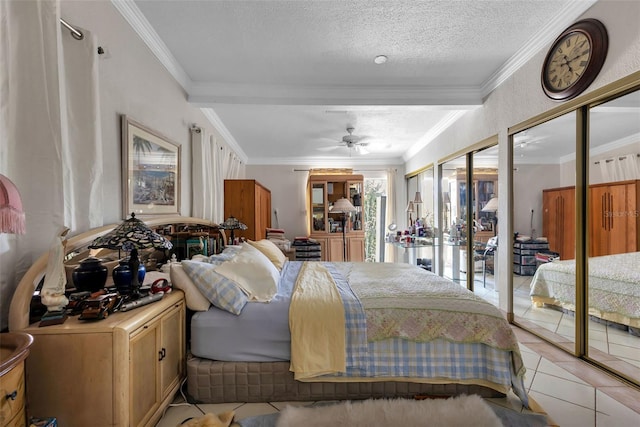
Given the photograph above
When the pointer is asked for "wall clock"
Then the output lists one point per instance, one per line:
(574, 59)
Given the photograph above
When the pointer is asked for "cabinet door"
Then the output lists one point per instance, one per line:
(143, 372)
(558, 221)
(318, 207)
(356, 249)
(336, 249)
(612, 228)
(172, 350)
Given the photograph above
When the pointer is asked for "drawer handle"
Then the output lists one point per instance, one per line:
(162, 353)
(12, 396)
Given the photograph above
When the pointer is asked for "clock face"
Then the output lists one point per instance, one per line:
(574, 60)
(569, 60)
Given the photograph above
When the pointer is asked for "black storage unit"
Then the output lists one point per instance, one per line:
(307, 250)
(524, 256)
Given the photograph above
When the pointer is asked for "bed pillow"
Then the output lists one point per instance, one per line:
(227, 253)
(253, 272)
(219, 290)
(193, 297)
(271, 251)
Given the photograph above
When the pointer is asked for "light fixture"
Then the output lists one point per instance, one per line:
(232, 223)
(131, 235)
(12, 218)
(380, 59)
(492, 207)
(344, 207)
(410, 209)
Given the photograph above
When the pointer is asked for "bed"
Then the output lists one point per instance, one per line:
(614, 287)
(234, 361)
(394, 330)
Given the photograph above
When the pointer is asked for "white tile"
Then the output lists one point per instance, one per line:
(281, 405)
(253, 409)
(617, 336)
(564, 413)
(550, 368)
(624, 351)
(560, 388)
(175, 415)
(525, 349)
(609, 412)
(603, 346)
(632, 362)
(531, 361)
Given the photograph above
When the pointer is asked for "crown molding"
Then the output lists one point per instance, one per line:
(210, 94)
(332, 162)
(540, 40)
(132, 14)
(224, 132)
(433, 133)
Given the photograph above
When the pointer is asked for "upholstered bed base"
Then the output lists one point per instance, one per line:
(210, 381)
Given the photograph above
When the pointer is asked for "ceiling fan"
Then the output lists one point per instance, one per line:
(524, 139)
(350, 141)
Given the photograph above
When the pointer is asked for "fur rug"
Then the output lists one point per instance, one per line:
(455, 411)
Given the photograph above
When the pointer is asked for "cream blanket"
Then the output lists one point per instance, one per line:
(317, 324)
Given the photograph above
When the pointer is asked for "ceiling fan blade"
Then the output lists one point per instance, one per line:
(362, 149)
(331, 148)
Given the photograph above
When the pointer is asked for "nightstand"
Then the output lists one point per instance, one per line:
(120, 371)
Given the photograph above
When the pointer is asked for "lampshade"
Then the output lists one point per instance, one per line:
(232, 223)
(132, 232)
(491, 206)
(343, 206)
(11, 214)
(410, 206)
(418, 198)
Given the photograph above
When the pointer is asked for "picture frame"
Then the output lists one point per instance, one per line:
(150, 171)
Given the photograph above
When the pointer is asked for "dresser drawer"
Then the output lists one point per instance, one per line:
(12, 397)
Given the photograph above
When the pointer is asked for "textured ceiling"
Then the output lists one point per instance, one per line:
(284, 79)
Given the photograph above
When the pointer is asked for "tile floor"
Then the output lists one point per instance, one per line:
(570, 391)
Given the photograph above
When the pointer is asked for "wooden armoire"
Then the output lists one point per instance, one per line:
(250, 202)
(614, 218)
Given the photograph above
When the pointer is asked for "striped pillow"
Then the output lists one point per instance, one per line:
(220, 291)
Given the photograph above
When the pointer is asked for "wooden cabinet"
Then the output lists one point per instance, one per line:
(614, 224)
(12, 395)
(614, 219)
(250, 202)
(120, 371)
(326, 226)
(558, 220)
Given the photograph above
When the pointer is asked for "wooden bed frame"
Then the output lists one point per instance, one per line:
(210, 381)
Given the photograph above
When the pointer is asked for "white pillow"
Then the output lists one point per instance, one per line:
(271, 251)
(254, 273)
(192, 295)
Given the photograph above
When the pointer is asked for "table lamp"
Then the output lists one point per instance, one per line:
(131, 235)
(232, 223)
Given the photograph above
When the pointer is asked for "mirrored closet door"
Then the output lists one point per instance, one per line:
(613, 327)
(544, 185)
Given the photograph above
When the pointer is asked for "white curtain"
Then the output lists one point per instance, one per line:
(50, 142)
(202, 172)
(389, 251)
(620, 168)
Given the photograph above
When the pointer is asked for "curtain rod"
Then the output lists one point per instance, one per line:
(76, 34)
(611, 160)
(355, 170)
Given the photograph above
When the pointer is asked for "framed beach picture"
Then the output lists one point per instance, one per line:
(150, 171)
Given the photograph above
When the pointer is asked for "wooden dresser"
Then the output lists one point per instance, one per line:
(614, 218)
(250, 202)
(120, 371)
